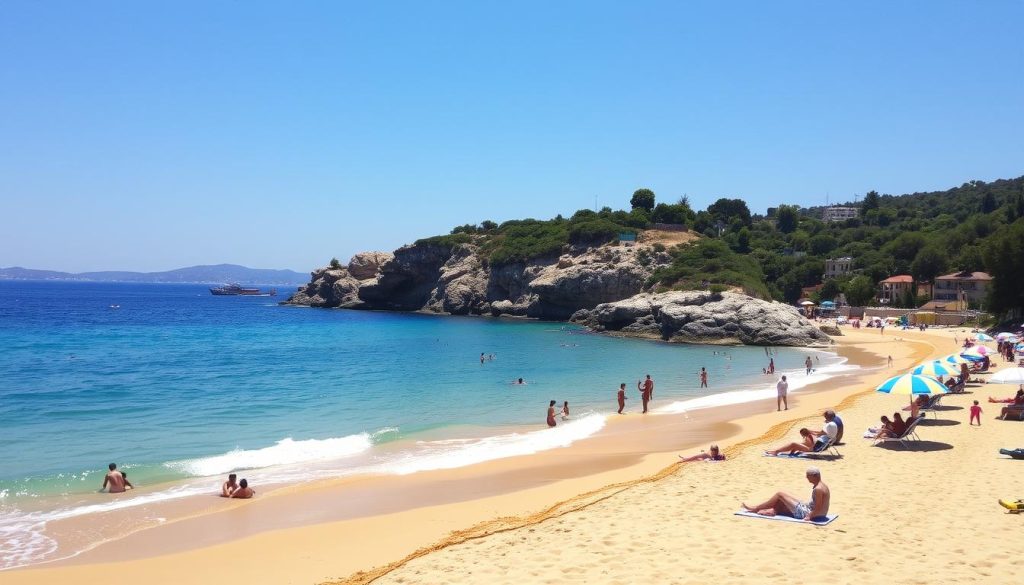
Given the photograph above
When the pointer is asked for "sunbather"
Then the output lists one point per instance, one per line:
(786, 504)
(1016, 408)
(883, 432)
(714, 455)
(899, 426)
(1015, 400)
(812, 441)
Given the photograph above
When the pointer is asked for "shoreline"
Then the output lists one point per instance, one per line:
(624, 453)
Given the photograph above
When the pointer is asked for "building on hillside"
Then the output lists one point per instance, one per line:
(836, 267)
(839, 213)
(892, 289)
(962, 286)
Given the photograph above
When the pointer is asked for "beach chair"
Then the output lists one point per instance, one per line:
(908, 435)
(827, 447)
(933, 402)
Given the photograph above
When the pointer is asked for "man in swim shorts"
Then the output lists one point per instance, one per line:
(646, 391)
(244, 492)
(786, 504)
(114, 481)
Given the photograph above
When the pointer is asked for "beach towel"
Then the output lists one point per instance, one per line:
(828, 518)
(799, 455)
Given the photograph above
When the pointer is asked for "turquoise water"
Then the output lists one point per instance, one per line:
(173, 383)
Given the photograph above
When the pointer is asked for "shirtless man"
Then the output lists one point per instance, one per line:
(782, 393)
(244, 492)
(229, 486)
(788, 504)
(646, 391)
(114, 481)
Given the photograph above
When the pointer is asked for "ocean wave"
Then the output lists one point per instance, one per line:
(448, 454)
(284, 452)
(797, 379)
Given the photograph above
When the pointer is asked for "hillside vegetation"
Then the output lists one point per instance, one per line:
(976, 227)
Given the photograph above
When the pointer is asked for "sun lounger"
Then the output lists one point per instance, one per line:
(820, 522)
(828, 447)
(929, 406)
(908, 435)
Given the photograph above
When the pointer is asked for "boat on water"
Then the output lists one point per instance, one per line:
(234, 289)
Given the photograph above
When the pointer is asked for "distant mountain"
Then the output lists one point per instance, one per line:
(217, 273)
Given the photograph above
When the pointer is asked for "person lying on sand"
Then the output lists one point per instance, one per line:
(786, 504)
(244, 492)
(229, 486)
(714, 455)
(1017, 399)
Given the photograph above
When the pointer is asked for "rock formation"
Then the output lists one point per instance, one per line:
(703, 317)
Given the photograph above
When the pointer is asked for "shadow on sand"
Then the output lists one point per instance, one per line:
(938, 422)
(916, 446)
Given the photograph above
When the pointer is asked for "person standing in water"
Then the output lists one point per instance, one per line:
(783, 392)
(646, 391)
(551, 414)
(703, 377)
(808, 364)
(771, 365)
(565, 410)
(622, 397)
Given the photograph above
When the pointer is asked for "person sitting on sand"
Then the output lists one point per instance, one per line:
(785, 504)
(244, 492)
(229, 486)
(714, 455)
(114, 480)
(832, 417)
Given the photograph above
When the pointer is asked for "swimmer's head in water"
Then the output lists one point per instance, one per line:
(112, 466)
(520, 380)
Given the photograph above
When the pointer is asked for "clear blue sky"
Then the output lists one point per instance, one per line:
(278, 135)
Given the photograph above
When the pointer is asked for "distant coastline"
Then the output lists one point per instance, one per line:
(203, 274)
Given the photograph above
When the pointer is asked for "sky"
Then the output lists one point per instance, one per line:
(151, 136)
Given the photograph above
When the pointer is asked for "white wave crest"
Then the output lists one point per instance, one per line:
(445, 454)
(284, 452)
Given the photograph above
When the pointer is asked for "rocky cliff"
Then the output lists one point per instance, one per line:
(456, 279)
(703, 317)
(603, 287)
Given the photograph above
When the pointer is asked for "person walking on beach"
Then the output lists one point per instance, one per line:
(890, 361)
(808, 364)
(551, 414)
(622, 397)
(114, 481)
(646, 391)
(975, 413)
(782, 388)
(703, 377)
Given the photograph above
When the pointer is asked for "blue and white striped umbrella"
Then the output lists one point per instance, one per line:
(912, 384)
(936, 369)
(954, 359)
(1019, 347)
(983, 337)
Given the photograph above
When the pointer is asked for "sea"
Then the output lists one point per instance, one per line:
(180, 387)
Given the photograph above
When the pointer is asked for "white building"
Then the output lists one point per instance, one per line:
(836, 267)
(839, 213)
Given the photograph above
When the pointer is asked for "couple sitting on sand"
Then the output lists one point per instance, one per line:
(812, 441)
(785, 504)
(241, 490)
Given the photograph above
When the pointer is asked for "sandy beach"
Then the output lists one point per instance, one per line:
(617, 508)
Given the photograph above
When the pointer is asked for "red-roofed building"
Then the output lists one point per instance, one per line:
(960, 286)
(892, 289)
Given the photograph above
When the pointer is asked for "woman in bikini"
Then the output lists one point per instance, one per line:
(551, 414)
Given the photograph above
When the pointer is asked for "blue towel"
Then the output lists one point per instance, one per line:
(828, 518)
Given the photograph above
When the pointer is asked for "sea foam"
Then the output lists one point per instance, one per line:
(284, 452)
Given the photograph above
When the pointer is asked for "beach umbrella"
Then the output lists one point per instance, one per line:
(935, 369)
(807, 303)
(955, 359)
(1005, 335)
(983, 337)
(1008, 376)
(912, 385)
(978, 351)
(1019, 347)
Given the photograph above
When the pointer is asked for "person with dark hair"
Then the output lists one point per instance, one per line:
(714, 455)
(114, 480)
(127, 484)
(551, 414)
(565, 410)
(244, 492)
(622, 397)
(646, 391)
(229, 486)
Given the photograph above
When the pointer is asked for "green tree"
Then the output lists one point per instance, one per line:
(870, 202)
(929, 262)
(907, 300)
(489, 226)
(1006, 265)
(969, 259)
(335, 263)
(679, 214)
(642, 198)
(859, 290)
(725, 210)
(787, 218)
(988, 202)
(743, 241)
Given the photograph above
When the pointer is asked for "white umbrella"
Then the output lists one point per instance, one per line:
(806, 303)
(1008, 376)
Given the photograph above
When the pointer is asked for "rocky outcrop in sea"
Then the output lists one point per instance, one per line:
(604, 287)
(704, 317)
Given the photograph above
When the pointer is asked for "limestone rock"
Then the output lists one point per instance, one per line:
(366, 265)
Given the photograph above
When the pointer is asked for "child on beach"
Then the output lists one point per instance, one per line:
(565, 410)
(975, 413)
